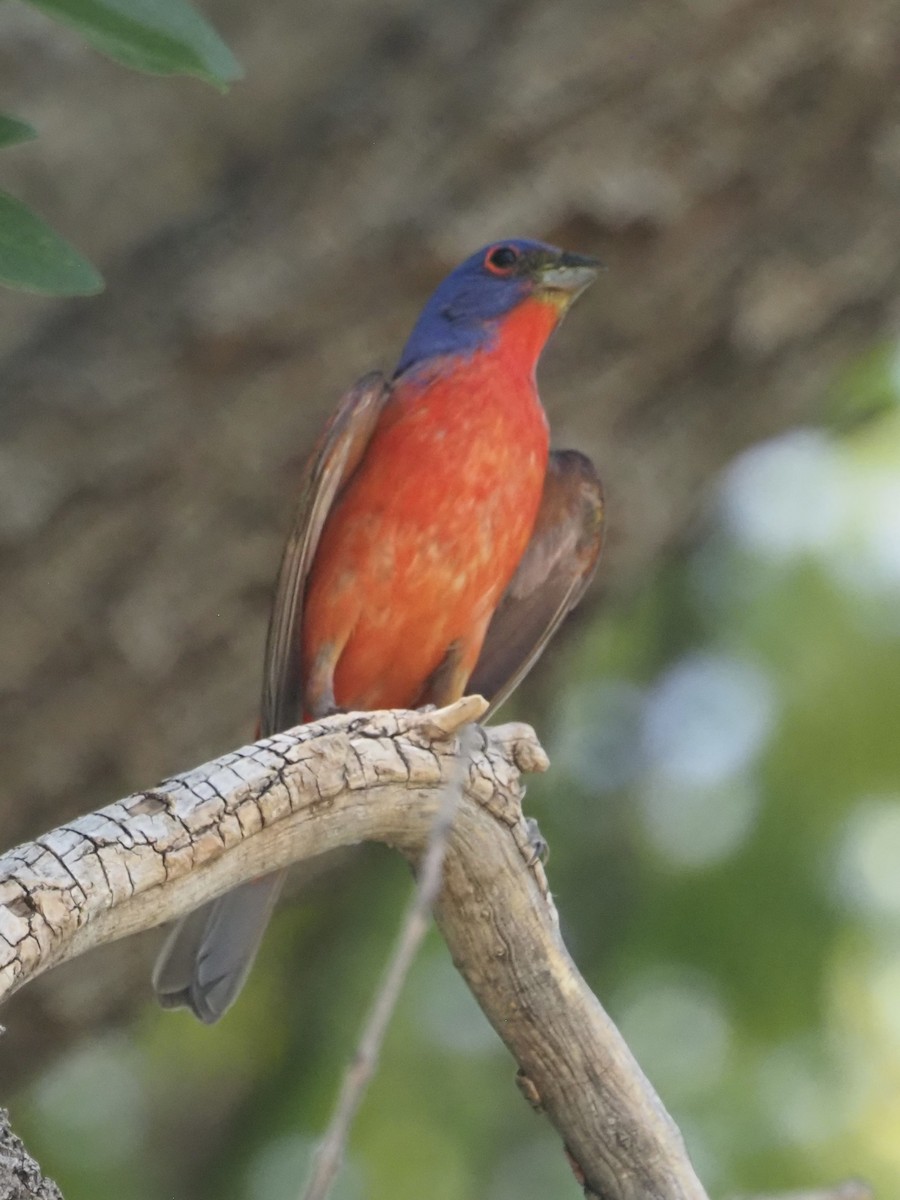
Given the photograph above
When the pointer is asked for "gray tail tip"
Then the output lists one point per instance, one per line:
(196, 1004)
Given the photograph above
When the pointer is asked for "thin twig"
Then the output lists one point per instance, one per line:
(332, 1148)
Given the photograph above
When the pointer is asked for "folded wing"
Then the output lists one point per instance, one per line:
(208, 955)
(330, 466)
(553, 575)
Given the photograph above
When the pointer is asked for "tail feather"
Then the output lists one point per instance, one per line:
(209, 953)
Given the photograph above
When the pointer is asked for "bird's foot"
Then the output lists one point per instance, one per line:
(540, 847)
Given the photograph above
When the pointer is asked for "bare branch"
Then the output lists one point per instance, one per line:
(331, 1150)
(376, 776)
(160, 853)
(20, 1176)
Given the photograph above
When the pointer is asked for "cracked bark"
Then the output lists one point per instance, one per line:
(155, 855)
(20, 1176)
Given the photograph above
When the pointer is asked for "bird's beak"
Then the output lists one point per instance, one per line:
(562, 278)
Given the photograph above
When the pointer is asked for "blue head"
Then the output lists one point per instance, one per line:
(464, 313)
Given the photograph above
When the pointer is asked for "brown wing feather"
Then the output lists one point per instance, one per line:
(208, 955)
(553, 575)
(331, 464)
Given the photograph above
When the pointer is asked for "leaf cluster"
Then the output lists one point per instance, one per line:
(163, 37)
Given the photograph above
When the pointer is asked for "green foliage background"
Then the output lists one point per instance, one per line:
(724, 815)
(165, 37)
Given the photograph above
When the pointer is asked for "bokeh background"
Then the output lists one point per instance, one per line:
(723, 715)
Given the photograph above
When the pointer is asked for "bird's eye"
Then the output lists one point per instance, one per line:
(501, 259)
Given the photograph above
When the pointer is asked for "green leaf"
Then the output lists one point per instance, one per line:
(12, 131)
(36, 259)
(164, 37)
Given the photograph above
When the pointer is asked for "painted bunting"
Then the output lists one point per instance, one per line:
(437, 547)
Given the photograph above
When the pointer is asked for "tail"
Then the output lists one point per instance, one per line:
(209, 953)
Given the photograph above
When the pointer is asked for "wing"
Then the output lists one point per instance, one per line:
(558, 564)
(331, 464)
(208, 955)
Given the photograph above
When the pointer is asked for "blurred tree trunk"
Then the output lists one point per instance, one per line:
(737, 164)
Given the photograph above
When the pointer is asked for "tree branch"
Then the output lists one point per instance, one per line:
(358, 1074)
(20, 1176)
(158, 854)
(380, 776)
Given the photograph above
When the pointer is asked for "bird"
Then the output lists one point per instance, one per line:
(437, 545)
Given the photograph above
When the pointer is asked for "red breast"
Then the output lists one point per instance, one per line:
(421, 545)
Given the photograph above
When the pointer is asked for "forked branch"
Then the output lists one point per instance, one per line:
(380, 776)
